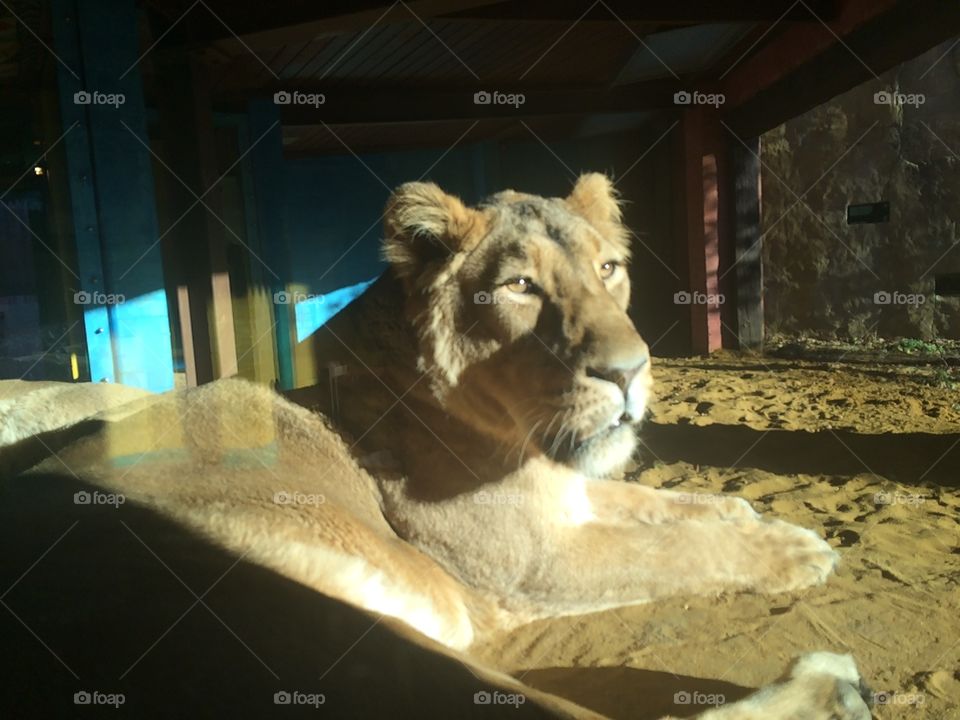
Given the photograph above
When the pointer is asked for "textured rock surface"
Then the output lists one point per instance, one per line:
(821, 275)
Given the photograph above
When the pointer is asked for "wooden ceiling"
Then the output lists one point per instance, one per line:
(380, 65)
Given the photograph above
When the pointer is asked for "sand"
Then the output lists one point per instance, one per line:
(867, 455)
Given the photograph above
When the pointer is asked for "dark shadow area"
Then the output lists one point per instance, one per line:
(638, 694)
(909, 458)
(96, 599)
(24, 454)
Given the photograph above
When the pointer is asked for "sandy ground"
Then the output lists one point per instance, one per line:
(866, 454)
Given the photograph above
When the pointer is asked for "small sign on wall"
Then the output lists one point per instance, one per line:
(863, 213)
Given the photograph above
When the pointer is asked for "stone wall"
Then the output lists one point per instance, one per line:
(821, 276)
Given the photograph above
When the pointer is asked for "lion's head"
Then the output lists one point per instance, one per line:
(519, 306)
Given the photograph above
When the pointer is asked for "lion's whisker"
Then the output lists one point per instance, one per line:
(523, 447)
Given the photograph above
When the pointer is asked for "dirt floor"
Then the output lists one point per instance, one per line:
(866, 453)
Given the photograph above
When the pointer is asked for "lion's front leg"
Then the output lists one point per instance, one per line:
(596, 565)
(626, 503)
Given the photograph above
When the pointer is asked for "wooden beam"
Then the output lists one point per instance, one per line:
(689, 222)
(795, 46)
(807, 66)
(711, 249)
(690, 11)
(82, 196)
(418, 105)
(267, 25)
(726, 227)
(114, 212)
(266, 162)
(748, 239)
(198, 238)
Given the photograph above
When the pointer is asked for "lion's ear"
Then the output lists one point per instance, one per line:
(423, 225)
(595, 198)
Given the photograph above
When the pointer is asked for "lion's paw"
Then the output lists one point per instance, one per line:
(818, 686)
(790, 557)
(843, 693)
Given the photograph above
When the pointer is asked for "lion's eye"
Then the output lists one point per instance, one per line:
(520, 285)
(608, 269)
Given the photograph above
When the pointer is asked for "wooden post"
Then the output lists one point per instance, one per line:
(748, 239)
(711, 251)
(112, 193)
(256, 320)
(697, 217)
(198, 241)
(83, 201)
(266, 161)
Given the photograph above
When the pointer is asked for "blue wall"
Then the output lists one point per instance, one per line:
(334, 202)
(334, 205)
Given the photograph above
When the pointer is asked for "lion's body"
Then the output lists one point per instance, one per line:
(461, 481)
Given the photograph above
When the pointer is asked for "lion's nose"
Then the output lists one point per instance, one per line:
(619, 375)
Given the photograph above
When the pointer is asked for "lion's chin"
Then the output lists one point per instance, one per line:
(605, 453)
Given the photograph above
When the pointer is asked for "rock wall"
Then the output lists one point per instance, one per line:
(822, 276)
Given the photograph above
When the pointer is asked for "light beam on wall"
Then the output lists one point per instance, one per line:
(313, 312)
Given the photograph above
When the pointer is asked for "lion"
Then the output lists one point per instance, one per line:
(460, 472)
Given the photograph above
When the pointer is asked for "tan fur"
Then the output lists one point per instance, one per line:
(491, 430)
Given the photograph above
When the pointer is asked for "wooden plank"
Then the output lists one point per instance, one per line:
(199, 238)
(274, 25)
(259, 300)
(386, 105)
(748, 239)
(187, 338)
(690, 11)
(711, 250)
(689, 221)
(83, 199)
(271, 26)
(185, 240)
(797, 72)
(115, 179)
(793, 47)
(266, 161)
(123, 177)
(726, 279)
